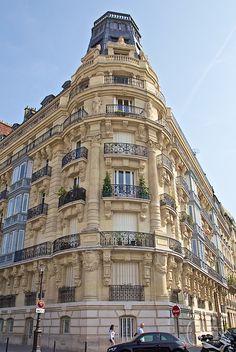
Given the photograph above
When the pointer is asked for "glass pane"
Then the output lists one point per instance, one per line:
(22, 171)
(121, 177)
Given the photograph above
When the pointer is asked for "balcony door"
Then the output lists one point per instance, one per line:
(124, 105)
(124, 182)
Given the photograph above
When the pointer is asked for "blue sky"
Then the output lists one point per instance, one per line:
(191, 44)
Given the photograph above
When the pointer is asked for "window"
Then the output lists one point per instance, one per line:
(10, 323)
(25, 203)
(69, 276)
(124, 177)
(10, 207)
(76, 182)
(123, 137)
(17, 205)
(78, 144)
(124, 105)
(15, 175)
(65, 325)
(125, 273)
(128, 327)
(20, 239)
(22, 171)
(42, 198)
(1, 325)
(29, 325)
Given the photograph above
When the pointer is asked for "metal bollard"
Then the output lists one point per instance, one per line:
(7, 344)
(54, 346)
(85, 346)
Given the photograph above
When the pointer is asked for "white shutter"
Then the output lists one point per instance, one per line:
(125, 273)
(123, 137)
(124, 222)
(69, 276)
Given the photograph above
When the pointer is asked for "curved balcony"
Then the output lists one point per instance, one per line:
(39, 250)
(127, 191)
(168, 201)
(126, 293)
(45, 171)
(165, 162)
(71, 196)
(126, 238)
(22, 183)
(125, 149)
(75, 154)
(124, 80)
(76, 117)
(41, 209)
(124, 110)
(66, 242)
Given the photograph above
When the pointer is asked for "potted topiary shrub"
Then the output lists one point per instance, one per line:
(143, 189)
(107, 187)
(61, 192)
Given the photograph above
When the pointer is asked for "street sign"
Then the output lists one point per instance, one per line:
(40, 310)
(40, 303)
(176, 311)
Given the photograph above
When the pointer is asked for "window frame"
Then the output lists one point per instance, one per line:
(63, 321)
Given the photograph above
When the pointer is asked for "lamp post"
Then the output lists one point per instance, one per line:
(38, 331)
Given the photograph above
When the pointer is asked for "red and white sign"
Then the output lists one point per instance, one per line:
(176, 311)
(40, 304)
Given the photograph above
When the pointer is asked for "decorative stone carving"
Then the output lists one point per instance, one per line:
(141, 132)
(107, 209)
(147, 265)
(171, 266)
(149, 109)
(107, 267)
(96, 105)
(160, 262)
(76, 269)
(90, 260)
(144, 209)
(108, 128)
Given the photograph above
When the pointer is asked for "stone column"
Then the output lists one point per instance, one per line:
(93, 191)
(160, 266)
(155, 216)
(90, 274)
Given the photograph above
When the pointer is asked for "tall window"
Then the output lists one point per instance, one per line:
(1, 325)
(10, 324)
(124, 105)
(123, 137)
(65, 325)
(127, 327)
(125, 273)
(122, 177)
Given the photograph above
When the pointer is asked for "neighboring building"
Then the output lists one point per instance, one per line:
(102, 188)
(5, 129)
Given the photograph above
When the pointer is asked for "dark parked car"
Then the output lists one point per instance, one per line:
(151, 342)
(231, 332)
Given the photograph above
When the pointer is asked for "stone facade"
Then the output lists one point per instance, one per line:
(101, 187)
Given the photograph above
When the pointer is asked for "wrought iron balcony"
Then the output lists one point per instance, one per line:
(125, 149)
(66, 294)
(39, 250)
(79, 88)
(45, 171)
(41, 209)
(19, 218)
(75, 154)
(24, 182)
(130, 81)
(66, 242)
(163, 160)
(7, 301)
(3, 195)
(126, 293)
(192, 257)
(126, 238)
(124, 110)
(175, 245)
(167, 200)
(6, 259)
(76, 117)
(211, 245)
(127, 191)
(71, 196)
(207, 216)
(30, 298)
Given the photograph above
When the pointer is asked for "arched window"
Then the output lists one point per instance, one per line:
(65, 325)
(1, 325)
(10, 324)
(128, 327)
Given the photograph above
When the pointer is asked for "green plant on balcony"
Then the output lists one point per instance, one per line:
(107, 187)
(61, 192)
(143, 189)
(231, 280)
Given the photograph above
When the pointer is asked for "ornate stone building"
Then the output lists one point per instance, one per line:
(102, 188)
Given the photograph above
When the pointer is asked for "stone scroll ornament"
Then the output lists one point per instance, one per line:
(90, 260)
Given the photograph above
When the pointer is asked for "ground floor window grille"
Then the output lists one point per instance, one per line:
(128, 327)
(1, 325)
(10, 323)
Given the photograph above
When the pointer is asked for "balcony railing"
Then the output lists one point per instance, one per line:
(66, 242)
(210, 244)
(79, 88)
(175, 245)
(75, 154)
(125, 149)
(197, 230)
(7, 301)
(124, 80)
(126, 293)
(19, 218)
(126, 238)
(127, 191)
(77, 116)
(207, 217)
(45, 171)
(24, 182)
(124, 110)
(30, 298)
(66, 294)
(3, 194)
(163, 160)
(167, 200)
(41, 209)
(192, 257)
(39, 250)
(6, 259)
(71, 196)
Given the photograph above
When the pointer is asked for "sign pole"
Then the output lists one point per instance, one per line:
(177, 324)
